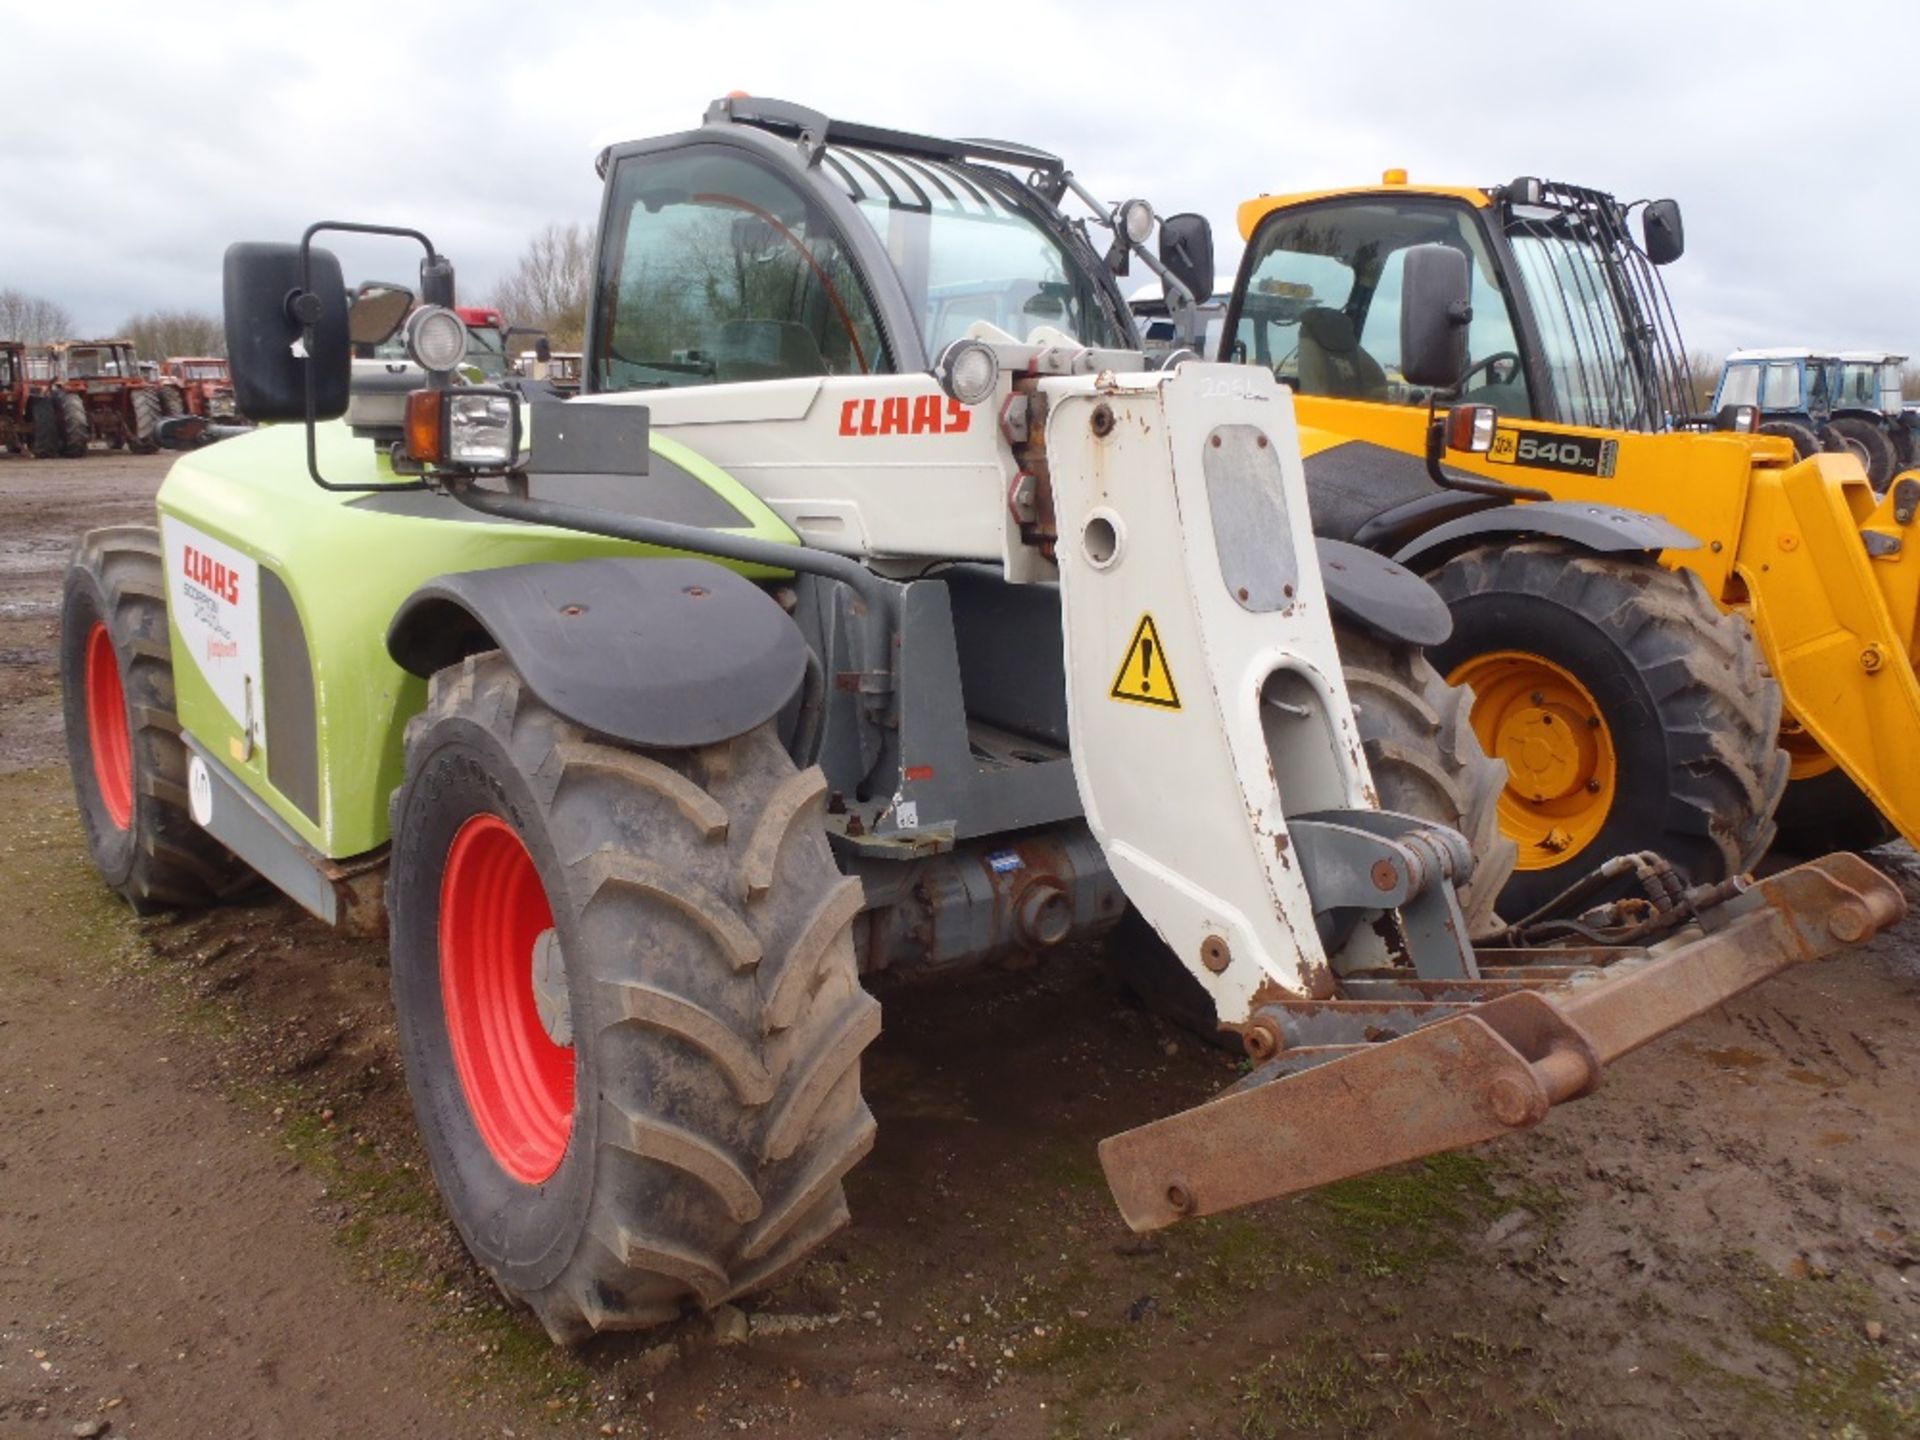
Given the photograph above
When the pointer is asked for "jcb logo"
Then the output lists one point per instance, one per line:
(905, 415)
(1503, 445)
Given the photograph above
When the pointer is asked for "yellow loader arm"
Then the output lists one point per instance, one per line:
(1833, 583)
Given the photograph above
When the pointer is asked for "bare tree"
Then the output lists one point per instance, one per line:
(547, 287)
(32, 318)
(1703, 378)
(157, 334)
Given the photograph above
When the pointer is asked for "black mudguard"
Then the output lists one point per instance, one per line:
(1388, 599)
(663, 653)
(1604, 529)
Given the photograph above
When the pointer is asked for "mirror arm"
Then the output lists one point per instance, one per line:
(1468, 484)
(304, 308)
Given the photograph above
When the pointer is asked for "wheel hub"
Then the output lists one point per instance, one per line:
(503, 989)
(1561, 769)
(550, 995)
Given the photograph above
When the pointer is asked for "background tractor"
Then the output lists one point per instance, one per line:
(1868, 386)
(97, 385)
(29, 418)
(200, 385)
(1617, 692)
(830, 633)
(1799, 395)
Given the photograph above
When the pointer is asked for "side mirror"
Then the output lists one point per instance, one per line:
(263, 287)
(543, 350)
(376, 311)
(1435, 310)
(1661, 234)
(1186, 248)
(1742, 418)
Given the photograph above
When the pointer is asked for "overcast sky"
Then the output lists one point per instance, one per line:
(141, 139)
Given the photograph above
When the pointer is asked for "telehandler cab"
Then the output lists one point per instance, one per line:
(873, 610)
(1631, 702)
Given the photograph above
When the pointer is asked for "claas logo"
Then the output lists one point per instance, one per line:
(210, 575)
(905, 415)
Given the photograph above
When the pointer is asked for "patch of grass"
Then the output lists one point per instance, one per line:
(1398, 1222)
(1324, 1387)
(1842, 1382)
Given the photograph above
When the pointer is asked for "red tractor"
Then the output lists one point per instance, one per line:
(197, 385)
(97, 386)
(29, 419)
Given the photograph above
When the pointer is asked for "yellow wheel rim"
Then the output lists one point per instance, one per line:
(1805, 758)
(1561, 769)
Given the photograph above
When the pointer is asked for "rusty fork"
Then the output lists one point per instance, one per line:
(1473, 1072)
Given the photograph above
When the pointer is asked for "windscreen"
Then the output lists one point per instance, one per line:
(1868, 385)
(1608, 334)
(967, 248)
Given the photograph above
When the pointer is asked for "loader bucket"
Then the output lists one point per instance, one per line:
(1396, 1069)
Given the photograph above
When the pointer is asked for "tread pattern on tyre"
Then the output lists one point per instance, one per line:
(76, 431)
(176, 864)
(1873, 444)
(727, 1015)
(143, 420)
(1701, 666)
(1426, 760)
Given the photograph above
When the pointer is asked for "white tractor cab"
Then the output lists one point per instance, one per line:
(1159, 327)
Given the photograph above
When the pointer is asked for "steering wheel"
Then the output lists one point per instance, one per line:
(1499, 357)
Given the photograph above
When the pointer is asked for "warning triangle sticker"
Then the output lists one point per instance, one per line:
(1145, 678)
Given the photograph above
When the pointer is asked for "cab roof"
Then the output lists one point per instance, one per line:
(1253, 211)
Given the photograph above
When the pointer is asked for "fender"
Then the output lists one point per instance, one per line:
(666, 653)
(1605, 529)
(1367, 588)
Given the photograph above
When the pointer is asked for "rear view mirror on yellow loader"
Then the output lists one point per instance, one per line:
(1636, 704)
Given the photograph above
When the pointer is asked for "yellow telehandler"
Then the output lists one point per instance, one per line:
(1627, 714)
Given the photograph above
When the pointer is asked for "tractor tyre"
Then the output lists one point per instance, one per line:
(1806, 444)
(171, 403)
(1426, 760)
(124, 748)
(1632, 713)
(628, 1005)
(1870, 443)
(43, 416)
(1828, 812)
(76, 431)
(143, 422)
(1417, 732)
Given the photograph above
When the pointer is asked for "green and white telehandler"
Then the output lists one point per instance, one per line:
(874, 608)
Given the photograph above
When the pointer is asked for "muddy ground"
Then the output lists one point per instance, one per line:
(214, 1218)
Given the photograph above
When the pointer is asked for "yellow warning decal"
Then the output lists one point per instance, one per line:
(1145, 678)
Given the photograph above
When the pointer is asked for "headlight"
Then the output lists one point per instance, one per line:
(968, 371)
(436, 338)
(471, 429)
(480, 429)
(1136, 221)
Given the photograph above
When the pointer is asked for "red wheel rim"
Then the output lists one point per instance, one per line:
(518, 1083)
(107, 734)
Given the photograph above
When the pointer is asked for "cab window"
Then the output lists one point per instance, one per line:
(718, 270)
(1323, 295)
